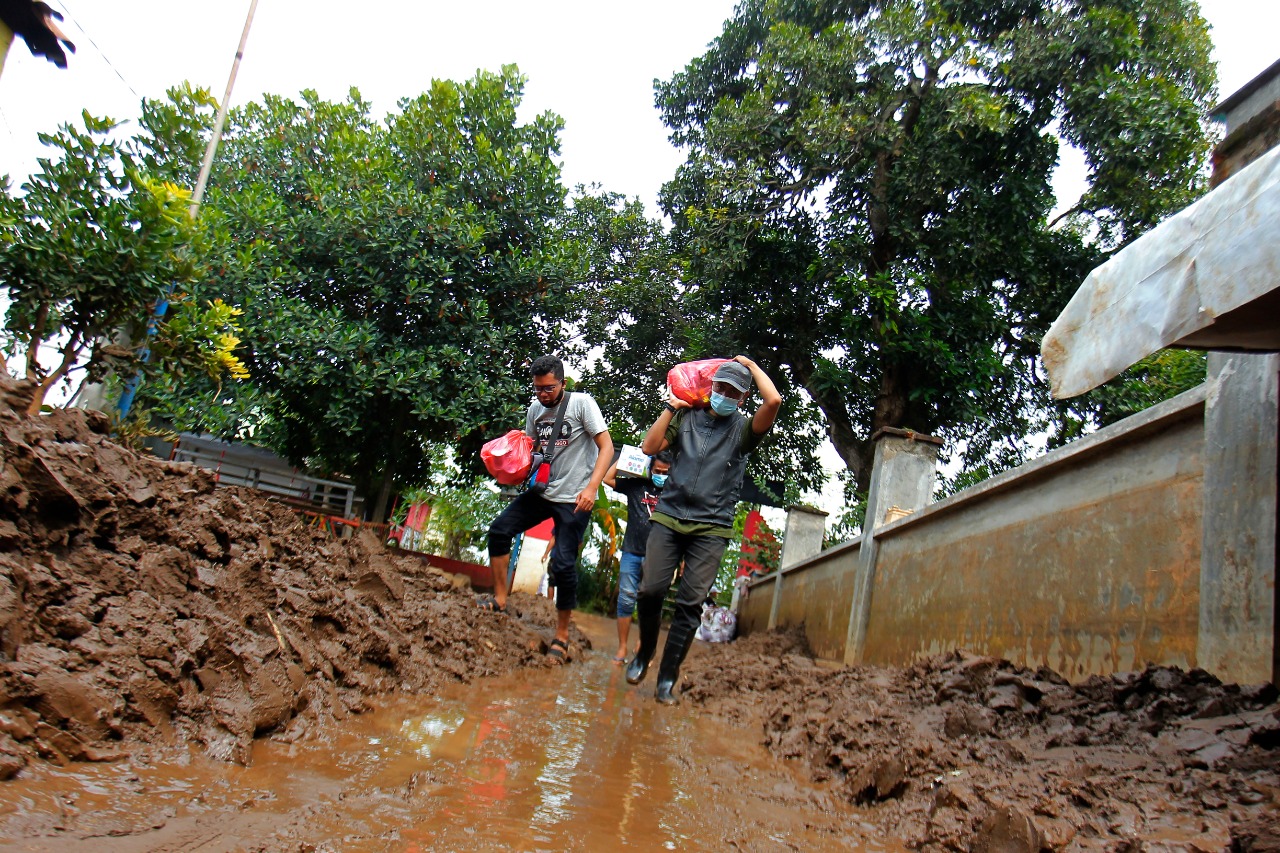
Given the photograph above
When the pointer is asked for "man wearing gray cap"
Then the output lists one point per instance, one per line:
(693, 521)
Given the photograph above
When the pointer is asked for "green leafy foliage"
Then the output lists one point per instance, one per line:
(200, 338)
(461, 511)
(1157, 377)
(598, 561)
(89, 244)
(408, 498)
(865, 204)
(848, 522)
(762, 551)
(394, 275)
(194, 349)
(637, 318)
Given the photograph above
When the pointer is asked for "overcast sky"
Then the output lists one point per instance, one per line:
(591, 62)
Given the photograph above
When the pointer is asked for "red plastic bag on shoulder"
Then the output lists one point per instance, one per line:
(508, 457)
(691, 381)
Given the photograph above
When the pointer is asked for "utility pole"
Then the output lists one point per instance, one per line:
(212, 148)
(130, 389)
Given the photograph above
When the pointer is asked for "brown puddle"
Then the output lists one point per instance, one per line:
(567, 759)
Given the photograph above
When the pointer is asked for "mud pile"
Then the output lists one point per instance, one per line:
(142, 607)
(973, 753)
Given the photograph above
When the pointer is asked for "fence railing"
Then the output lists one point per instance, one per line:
(329, 496)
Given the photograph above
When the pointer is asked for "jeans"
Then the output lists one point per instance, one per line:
(629, 568)
(529, 510)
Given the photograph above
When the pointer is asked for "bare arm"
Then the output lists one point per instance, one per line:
(611, 476)
(587, 498)
(770, 399)
(655, 440)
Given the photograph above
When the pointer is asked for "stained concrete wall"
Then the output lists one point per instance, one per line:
(1086, 560)
(754, 607)
(903, 473)
(802, 538)
(817, 594)
(1239, 633)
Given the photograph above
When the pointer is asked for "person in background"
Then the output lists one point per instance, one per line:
(546, 561)
(642, 497)
(694, 517)
(583, 451)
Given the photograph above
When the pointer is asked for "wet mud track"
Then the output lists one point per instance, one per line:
(565, 759)
(188, 667)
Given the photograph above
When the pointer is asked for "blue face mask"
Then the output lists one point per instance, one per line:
(722, 405)
(659, 480)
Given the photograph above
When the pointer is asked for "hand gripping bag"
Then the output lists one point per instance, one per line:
(508, 457)
(691, 381)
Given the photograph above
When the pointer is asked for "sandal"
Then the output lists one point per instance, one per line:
(558, 651)
(488, 602)
(618, 661)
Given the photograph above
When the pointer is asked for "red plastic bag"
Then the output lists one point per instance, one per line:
(691, 381)
(509, 457)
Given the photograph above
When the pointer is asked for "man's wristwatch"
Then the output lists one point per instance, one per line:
(670, 408)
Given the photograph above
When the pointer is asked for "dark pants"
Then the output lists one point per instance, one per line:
(529, 510)
(701, 555)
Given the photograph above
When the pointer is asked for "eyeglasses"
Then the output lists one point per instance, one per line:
(546, 389)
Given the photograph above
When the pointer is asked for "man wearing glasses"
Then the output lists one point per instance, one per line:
(694, 517)
(583, 452)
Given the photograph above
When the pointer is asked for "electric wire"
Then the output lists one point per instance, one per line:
(71, 19)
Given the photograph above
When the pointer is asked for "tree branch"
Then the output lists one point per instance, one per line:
(70, 351)
(840, 427)
(37, 336)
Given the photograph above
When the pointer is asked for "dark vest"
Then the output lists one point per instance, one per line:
(706, 476)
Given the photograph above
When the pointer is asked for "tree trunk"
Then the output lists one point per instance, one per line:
(891, 401)
(381, 505)
(69, 353)
(840, 427)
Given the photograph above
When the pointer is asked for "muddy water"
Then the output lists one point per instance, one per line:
(563, 759)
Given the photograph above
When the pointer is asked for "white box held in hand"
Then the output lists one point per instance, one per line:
(632, 462)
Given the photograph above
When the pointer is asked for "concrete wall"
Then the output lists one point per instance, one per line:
(1086, 560)
(1239, 632)
(754, 607)
(817, 593)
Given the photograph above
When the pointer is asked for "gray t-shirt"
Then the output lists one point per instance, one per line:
(576, 450)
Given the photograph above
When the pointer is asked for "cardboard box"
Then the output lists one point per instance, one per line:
(632, 462)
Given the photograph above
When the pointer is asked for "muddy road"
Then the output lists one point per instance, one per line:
(549, 759)
(184, 667)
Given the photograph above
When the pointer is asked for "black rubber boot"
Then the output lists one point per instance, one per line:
(638, 667)
(678, 643)
(665, 692)
(649, 615)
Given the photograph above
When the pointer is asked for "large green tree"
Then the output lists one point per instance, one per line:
(393, 273)
(866, 202)
(635, 319)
